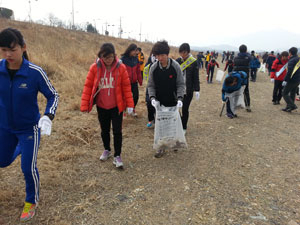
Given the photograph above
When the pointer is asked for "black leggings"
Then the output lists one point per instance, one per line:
(135, 93)
(107, 117)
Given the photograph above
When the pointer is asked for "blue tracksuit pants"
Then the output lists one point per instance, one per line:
(26, 143)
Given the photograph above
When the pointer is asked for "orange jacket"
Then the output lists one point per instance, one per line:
(141, 61)
(123, 87)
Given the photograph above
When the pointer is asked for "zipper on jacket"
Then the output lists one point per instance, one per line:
(11, 118)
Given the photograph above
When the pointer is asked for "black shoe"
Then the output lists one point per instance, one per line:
(278, 103)
(285, 109)
(291, 109)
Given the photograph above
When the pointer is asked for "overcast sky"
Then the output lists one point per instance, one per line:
(200, 23)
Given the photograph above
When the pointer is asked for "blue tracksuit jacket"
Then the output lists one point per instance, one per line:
(242, 80)
(18, 97)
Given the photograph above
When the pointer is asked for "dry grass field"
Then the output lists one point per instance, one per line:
(235, 172)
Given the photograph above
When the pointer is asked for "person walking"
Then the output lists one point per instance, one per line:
(242, 63)
(130, 59)
(107, 84)
(211, 70)
(254, 65)
(291, 80)
(141, 59)
(278, 73)
(190, 72)
(20, 123)
(166, 83)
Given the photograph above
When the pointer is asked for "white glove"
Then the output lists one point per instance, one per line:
(129, 111)
(272, 80)
(179, 104)
(284, 83)
(154, 103)
(197, 94)
(45, 124)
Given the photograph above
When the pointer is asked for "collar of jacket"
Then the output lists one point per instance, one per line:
(168, 66)
(243, 54)
(23, 71)
(130, 60)
(115, 64)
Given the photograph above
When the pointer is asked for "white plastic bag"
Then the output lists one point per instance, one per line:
(168, 132)
(220, 75)
(262, 68)
(236, 99)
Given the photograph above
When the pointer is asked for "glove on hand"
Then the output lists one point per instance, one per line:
(284, 83)
(272, 80)
(129, 111)
(154, 103)
(45, 124)
(179, 104)
(197, 94)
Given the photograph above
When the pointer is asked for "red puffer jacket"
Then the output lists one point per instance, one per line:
(276, 66)
(123, 87)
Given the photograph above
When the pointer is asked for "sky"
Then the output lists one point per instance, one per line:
(197, 22)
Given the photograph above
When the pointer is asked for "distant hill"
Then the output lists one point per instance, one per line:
(219, 48)
(268, 40)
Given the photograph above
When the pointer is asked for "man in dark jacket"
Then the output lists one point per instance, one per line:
(291, 80)
(190, 72)
(242, 63)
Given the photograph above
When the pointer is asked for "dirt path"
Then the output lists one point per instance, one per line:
(240, 171)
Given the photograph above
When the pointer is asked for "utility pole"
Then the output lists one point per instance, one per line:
(140, 32)
(120, 28)
(73, 20)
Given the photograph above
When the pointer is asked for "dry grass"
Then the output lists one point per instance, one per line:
(218, 180)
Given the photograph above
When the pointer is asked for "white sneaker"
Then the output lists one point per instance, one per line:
(105, 155)
(118, 162)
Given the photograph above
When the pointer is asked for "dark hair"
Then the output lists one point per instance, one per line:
(106, 49)
(185, 47)
(139, 49)
(252, 52)
(161, 47)
(229, 80)
(293, 51)
(272, 52)
(11, 37)
(131, 47)
(243, 48)
(284, 53)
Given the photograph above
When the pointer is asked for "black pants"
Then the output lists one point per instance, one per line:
(247, 94)
(277, 91)
(135, 93)
(228, 109)
(211, 72)
(289, 93)
(253, 74)
(106, 117)
(200, 64)
(150, 108)
(206, 64)
(185, 109)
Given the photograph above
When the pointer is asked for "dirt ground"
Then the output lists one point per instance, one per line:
(240, 171)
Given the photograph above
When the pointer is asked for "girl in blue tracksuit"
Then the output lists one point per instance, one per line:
(20, 122)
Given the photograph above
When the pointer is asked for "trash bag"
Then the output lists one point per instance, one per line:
(236, 99)
(168, 132)
(262, 68)
(220, 75)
